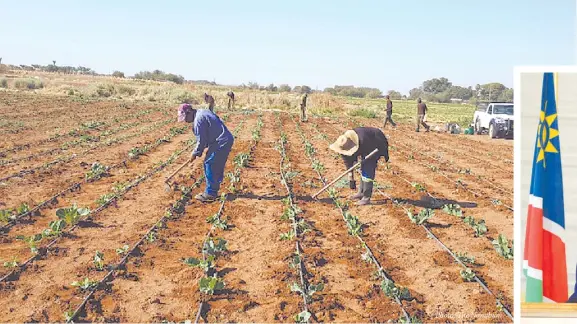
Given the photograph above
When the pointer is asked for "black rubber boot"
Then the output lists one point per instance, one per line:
(367, 193)
(360, 193)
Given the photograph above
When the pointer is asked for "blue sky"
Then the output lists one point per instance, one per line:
(387, 44)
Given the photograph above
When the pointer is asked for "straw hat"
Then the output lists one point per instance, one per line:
(346, 144)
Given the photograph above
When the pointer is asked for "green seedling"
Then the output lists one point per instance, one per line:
(22, 209)
(302, 317)
(288, 236)
(5, 215)
(71, 215)
(392, 291)
(210, 285)
(85, 284)
(453, 209)
(214, 247)
(217, 222)
(418, 186)
(467, 275)
(32, 241)
(205, 265)
(501, 245)
(122, 250)
(99, 260)
(463, 257)
(11, 264)
(422, 217)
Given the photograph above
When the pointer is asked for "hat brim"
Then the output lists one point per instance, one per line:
(351, 135)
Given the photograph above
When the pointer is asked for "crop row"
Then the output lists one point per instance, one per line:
(292, 213)
(355, 229)
(76, 131)
(69, 218)
(12, 215)
(421, 219)
(48, 165)
(212, 246)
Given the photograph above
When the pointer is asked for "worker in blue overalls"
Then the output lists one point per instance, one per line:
(213, 135)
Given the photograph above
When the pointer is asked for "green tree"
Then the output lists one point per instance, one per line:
(393, 94)
(118, 74)
(436, 85)
(284, 88)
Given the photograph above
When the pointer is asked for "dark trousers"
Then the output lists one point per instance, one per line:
(389, 119)
(214, 163)
(369, 168)
(303, 112)
(420, 122)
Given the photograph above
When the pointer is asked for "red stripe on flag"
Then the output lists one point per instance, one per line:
(534, 238)
(554, 268)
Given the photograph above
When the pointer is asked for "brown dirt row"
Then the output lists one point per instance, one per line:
(497, 216)
(61, 112)
(38, 186)
(442, 280)
(352, 291)
(37, 157)
(71, 258)
(249, 282)
(500, 173)
(52, 147)
(88, 193)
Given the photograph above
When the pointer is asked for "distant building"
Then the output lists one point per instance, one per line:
(456, 100)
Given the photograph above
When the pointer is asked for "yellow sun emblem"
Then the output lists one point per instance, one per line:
(546, 134)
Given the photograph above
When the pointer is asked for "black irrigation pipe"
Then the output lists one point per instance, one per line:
(294, 223)
(406, 210)
(435, 199)
(380, 269)
(440, 160)
(470, 156)
(476, 194)
(71, 188)
(68, 134)
(171, 159)
(49, 165)
(162, 220)
(72, 144)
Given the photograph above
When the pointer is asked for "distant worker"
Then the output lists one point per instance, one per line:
(360, 142)
(389, 113)
(421, 113)
(211, 134)
(230, 96)
(304, 107)
(210, 101)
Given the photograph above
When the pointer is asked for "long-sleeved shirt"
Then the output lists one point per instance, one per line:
(209, 130)
(370, 138)
(421, 108)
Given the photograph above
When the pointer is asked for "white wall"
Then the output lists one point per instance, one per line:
(531, 87)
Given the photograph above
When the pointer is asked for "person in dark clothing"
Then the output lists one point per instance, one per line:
(213, 135)
(421, 112)
(210, 101)
(230, 96)
(573, 298)
(304, 107)
(389, 113)
(360, 142)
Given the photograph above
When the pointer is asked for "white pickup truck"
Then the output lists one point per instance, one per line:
(496, 118)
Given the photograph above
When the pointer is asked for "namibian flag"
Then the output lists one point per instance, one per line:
(544, 264)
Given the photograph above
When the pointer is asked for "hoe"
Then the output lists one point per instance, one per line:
(167, 186)
(344, 174)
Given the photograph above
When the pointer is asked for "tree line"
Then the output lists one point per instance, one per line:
(434, 90)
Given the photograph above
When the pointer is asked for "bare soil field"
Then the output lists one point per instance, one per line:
(431, 247)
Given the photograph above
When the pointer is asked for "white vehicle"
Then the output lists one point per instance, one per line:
(496, 118)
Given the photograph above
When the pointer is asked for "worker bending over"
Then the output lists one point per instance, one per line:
(360, 142)
(230, 96)
(212, 135)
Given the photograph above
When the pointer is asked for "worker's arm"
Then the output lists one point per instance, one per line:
(201, 132)
(349, 162)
